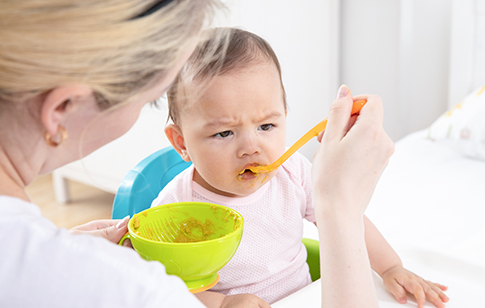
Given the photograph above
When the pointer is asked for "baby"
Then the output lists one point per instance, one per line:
(239, 120)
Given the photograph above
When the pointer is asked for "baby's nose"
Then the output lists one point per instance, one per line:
(249, 146)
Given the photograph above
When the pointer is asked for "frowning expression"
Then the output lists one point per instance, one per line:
(240, 120)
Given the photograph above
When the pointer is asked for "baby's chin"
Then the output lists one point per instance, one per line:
(250, 187)
(238, 192)
(236, 188)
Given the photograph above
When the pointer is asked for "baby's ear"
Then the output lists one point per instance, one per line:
(174, 135)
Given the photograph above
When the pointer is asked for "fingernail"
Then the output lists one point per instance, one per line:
(342, 91)
(122, 222)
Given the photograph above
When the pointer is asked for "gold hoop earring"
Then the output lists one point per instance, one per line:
(52, 143)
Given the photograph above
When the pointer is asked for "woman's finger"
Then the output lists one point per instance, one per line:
(113, 232)
(339, 115)
(320, 136)
(127, 243)
(98, 224)
(352, 121)
(371, 116)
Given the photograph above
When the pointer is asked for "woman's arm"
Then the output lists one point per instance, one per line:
(346, 168)
(346, 273)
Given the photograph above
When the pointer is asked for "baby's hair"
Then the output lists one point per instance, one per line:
(230, 50)
(116, 47)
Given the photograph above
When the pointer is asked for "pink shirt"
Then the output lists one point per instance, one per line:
(271, 259)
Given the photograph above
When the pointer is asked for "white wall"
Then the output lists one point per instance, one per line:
(398, 49)
(467, 53)
(303, 36)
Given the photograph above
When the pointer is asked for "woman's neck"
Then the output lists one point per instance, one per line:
(11, 182)
(12, 189)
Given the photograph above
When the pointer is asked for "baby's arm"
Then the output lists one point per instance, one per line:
(218, 300)
(381, 255)
(385, 262)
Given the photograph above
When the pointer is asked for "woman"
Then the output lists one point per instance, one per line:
(73, 77)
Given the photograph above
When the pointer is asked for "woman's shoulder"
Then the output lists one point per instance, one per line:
(51, 266)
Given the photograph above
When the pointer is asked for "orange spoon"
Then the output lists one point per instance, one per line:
(356, 107)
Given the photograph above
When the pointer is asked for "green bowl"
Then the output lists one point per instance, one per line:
(211, 232)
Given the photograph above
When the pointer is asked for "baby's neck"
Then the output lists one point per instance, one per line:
(199, 180)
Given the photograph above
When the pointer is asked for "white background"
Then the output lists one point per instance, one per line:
(398, 49)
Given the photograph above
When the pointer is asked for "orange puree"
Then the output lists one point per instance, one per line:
(189, 230)
(136, 222)
(193, 230)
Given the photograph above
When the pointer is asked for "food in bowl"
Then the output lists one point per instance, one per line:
(192, 239)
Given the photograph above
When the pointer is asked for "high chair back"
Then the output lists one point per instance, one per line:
(142, 184)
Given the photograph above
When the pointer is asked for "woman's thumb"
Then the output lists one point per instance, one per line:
(343, 91)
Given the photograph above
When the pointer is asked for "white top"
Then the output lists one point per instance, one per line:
(44, 266)
(271, 259)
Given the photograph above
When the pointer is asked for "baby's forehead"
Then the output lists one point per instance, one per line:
(257, 65)
(192, 90)
(255, 62)
(202, 85)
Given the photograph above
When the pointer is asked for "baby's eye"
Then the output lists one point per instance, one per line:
(223, 134)
(266, 127)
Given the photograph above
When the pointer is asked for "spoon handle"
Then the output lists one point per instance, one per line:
(315, 131)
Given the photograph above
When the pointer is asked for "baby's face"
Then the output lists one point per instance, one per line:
(239, 121)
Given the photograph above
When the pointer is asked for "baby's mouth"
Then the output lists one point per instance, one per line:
(246, 172)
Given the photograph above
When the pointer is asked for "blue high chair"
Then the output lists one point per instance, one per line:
(142, 184)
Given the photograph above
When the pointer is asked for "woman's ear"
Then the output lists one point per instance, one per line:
(176, 138)
(58, 102)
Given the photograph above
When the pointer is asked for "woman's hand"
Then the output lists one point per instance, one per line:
(353, 154)
(399, 281)
(112, 230)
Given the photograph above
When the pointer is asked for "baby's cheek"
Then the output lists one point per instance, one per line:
(216, 174)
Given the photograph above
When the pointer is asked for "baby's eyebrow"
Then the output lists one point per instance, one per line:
(269, 116)
(227, 122)
(220, 122)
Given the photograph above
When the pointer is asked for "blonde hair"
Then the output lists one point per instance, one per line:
(226, 50)
(116, 47)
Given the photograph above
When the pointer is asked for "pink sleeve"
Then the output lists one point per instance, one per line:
(300, 169)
